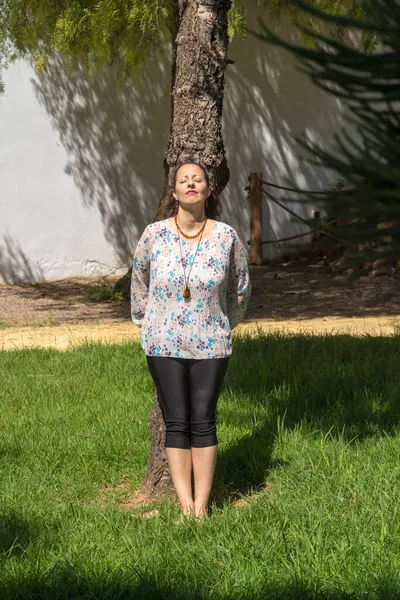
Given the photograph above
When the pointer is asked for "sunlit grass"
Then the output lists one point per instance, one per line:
(308, 443)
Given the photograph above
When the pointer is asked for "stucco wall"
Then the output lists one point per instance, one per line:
(81, 163)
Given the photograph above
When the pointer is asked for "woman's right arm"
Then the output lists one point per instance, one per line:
(140, 278)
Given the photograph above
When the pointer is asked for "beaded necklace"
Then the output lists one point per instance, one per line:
(186, 291)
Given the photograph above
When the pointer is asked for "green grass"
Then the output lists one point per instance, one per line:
(309, 436)
(103, 292)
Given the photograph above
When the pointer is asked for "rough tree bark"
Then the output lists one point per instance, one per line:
(199, 32)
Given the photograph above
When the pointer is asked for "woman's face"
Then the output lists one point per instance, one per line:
(191, 185)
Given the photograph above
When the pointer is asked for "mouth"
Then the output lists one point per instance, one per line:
(191, 192)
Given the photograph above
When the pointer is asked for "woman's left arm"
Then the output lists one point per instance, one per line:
(239, 284)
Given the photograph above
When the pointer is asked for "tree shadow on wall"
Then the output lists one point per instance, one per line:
(268, 100)
(15, 265)
(115, 141)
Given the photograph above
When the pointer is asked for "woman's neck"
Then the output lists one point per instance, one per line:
(190, 222)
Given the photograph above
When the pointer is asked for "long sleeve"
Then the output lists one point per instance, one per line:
(239, 284)
(140, 278)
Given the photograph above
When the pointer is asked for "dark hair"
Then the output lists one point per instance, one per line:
(169, 206)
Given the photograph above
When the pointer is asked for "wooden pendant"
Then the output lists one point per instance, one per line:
(186, 293)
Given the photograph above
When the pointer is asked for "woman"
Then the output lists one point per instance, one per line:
(190, 287)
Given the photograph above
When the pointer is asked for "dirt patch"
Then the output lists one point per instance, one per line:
(58, 302)
(66, 338)
(302, 295)
(306, 288)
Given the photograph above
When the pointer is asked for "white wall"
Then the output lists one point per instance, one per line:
(81, 163)
(80, 169)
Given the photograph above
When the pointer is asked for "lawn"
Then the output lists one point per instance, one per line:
(306, 495)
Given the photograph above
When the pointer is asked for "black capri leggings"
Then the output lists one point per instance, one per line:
(188, 391)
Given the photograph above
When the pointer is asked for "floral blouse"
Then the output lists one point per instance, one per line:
(219, 283)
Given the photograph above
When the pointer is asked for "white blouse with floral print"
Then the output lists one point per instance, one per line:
(220, 288)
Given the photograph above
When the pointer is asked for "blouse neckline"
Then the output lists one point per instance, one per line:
(192, 242)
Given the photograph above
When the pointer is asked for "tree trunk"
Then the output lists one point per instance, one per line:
(157, 480)
(199, 31)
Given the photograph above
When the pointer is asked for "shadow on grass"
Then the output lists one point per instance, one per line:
(15, 534)
(341, 384)
(243, 468)
(68, 584)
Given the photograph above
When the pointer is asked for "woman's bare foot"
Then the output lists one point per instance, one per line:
(201, 513)
(186, 515)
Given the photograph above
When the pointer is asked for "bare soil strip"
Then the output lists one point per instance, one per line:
(63, 337)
